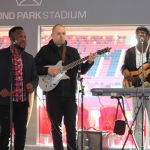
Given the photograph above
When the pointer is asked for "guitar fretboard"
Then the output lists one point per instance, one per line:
(75, 63)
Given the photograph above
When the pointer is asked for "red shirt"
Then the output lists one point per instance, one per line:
(19, 84)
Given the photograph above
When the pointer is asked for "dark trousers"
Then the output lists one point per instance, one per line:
(20, 112)
(57, 107)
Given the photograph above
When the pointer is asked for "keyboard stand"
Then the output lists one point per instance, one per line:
(130, 132)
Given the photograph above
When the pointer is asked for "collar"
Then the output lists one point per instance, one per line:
(51, 42)
(13, 51)
(137, 51)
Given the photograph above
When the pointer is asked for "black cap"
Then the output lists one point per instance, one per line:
(143, 28)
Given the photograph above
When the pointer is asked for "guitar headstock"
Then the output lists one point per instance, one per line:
(103, 51)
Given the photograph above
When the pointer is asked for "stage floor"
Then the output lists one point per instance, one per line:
(31, 140)
(38, 147)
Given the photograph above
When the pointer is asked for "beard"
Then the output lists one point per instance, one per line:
(20, 48)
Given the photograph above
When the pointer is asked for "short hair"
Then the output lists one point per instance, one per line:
(13, 29)
(56, 26)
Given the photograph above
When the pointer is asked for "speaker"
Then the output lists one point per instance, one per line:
(120, 127)
(93, 140)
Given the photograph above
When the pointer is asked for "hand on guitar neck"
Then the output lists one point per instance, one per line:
(92, 57)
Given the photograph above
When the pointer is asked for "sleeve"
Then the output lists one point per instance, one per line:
(126, 60)
(33, 75)
(85, 67)
(39, 62)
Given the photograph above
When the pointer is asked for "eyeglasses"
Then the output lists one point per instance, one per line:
(142, 33)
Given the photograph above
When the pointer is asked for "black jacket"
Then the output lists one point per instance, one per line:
(50, 55)
(130, 59)
(29, 71)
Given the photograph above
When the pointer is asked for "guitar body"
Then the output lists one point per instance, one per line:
(48, 82)
(128, 84)
(137, 75)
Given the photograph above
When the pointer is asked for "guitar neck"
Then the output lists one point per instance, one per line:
(146, 73)
(75, 63)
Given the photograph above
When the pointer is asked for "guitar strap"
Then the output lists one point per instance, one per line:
(148, 98)
(149, 54)
(64, 53)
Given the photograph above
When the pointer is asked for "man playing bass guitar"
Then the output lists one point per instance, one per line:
(132, 71)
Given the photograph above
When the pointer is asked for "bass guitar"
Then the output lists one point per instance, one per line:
(137, 77)
(48, 82)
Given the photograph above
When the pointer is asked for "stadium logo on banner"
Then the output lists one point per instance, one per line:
(29, 2)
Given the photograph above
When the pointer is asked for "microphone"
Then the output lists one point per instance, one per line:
(14, 41)
(79, 73)
(142, 40)
(87, 144)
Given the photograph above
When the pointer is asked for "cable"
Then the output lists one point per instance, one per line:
(105, 114)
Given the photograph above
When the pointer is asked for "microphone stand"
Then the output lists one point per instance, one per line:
(142, 146)
(141, 105)
(82, 93)
(11, 104)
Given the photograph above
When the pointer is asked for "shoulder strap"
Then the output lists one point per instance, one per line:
(148, 54)
(64, 53)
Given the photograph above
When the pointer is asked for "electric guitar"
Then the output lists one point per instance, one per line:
(137, 77)
(48, 82)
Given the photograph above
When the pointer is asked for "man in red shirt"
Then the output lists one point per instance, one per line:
(16, 67)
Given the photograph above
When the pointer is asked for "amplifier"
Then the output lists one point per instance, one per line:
(93, 140)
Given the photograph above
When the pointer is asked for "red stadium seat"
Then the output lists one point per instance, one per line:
(107, 121)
